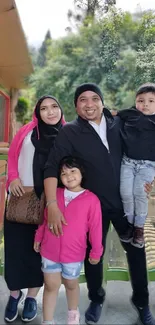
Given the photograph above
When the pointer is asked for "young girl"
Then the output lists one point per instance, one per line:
(62, 257)
(26, 159)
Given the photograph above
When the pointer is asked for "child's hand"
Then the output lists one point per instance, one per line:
(36, 247)
(93, 261)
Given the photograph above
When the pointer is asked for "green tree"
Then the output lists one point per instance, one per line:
(85, 12)
(145, 65)
(21, 110)
(116, 52)
(41, 61)
(90, 8)
(34, 55)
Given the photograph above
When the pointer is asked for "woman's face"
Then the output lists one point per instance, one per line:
(50, 111)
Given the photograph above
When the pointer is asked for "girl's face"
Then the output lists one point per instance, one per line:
(50, 111)
(71, 178)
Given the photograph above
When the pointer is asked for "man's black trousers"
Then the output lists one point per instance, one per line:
(136, 261)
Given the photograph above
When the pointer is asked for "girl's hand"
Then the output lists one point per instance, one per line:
(36, 247)
(93, 261)
(16, 187)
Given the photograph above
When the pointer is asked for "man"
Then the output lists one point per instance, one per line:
(95, 138)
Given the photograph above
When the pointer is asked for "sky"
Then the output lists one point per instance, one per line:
(37, 16)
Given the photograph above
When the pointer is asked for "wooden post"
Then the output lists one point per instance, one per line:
(13, 102)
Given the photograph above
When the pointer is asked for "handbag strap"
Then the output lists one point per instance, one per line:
(7, 196)
(6, 200)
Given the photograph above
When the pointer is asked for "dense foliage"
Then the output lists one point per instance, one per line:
(116, 50)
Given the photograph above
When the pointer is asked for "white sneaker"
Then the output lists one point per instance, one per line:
(73, 317)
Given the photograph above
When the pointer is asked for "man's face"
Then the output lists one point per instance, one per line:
(89, 106)
(145, 103)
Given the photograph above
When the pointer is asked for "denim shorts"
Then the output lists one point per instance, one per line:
(68, 271)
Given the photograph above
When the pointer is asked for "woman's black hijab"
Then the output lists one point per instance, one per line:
(43, 137)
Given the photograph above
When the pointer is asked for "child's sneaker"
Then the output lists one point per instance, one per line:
(138, 237)
(73, 317)
(11, 310)
(128, 235)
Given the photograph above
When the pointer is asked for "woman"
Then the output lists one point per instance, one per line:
(26, 159)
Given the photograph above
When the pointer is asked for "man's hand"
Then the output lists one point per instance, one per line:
(55, 219)
(148, 188)
(93, 261)
(16, 187)
(36, 247)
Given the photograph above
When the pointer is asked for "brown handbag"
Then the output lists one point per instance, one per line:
(27, 208)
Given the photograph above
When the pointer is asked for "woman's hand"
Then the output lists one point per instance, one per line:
(36, 247)
(16, 187)
(55, 219)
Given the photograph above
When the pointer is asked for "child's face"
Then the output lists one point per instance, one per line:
(71, 178)
(145, 103)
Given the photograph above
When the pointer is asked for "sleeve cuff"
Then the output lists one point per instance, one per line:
(95, 256)
(37, 239)
(48, 172)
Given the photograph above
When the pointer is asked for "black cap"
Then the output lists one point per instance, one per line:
(148, 87)
(87, 86)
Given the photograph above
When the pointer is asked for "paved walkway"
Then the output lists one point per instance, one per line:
(117, 308)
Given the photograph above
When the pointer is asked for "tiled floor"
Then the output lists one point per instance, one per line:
(117, 308)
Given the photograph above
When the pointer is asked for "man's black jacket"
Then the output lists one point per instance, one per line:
(102, 168)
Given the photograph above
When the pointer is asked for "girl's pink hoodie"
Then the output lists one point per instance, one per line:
(15, 148)
(83, 215)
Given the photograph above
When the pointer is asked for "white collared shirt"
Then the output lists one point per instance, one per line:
(101, 130)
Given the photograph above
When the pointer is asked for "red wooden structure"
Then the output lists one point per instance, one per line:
(4, 138)
(4, 116)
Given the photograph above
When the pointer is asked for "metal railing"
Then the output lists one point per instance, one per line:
(115, 264)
